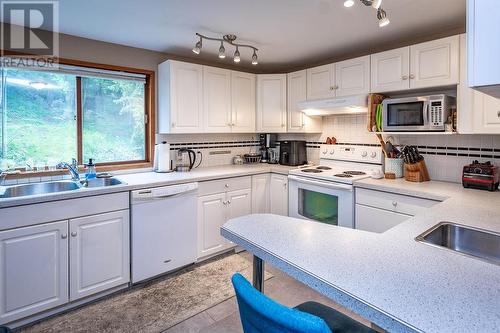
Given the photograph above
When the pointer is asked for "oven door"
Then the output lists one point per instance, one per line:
(325, 202)
(406, 114)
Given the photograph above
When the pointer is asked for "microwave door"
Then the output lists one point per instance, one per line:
(405, 115)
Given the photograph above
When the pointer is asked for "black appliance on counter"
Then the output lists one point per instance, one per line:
(267, 142)
(293, 153)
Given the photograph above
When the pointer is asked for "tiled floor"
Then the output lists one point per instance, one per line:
(224, 317)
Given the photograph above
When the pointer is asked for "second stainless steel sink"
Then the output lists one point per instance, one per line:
(470, 241)
(38, 188)
(100, 182)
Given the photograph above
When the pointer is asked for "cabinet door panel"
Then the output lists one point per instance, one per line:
(435, 63)
(297, 88)
(353, 77)
(99, 253)
(390, 70)
(279, 195)
(212, 214)
(216, 99)
(320, 82)
(243, 102)
(186, 84)
(271, 103)
(33, 269)
(260, 194)
(239, 203)
(377, 220)
(486, 113)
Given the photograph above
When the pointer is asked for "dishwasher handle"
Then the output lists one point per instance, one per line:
(160, 193)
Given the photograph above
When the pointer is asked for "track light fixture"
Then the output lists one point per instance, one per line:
(381, 14)
(229, 39)
(197, 47)
(222, 51)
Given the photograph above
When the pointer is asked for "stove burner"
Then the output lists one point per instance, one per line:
(342, 175)
(322, 167)
(355, 173)
(311, 170)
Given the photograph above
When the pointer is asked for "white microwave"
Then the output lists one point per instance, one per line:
(424, 113)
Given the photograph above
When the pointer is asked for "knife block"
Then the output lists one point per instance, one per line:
(417, 172)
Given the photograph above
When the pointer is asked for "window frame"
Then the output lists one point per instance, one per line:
(149, 114)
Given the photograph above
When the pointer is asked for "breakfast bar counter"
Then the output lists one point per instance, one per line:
(390, 279)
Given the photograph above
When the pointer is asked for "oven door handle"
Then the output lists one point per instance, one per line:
(329, 185)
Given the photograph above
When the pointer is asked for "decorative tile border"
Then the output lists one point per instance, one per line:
(214, 145)
(460, 151)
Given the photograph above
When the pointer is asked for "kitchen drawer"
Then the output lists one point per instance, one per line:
(393, 202)
(224, 185)
(377, 220)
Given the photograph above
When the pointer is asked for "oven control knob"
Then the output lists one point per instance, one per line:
(364, 154)
(373, 154)
(332, 151)
(324, 152)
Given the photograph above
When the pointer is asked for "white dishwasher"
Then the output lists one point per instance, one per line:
(164, 229)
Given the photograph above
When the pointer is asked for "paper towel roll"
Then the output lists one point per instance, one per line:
(162, 157)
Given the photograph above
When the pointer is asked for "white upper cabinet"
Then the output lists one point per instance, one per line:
(483, 47)
(271, 103)
(180, 97)
(216, 100)
(33, 269)
(435, 63)
(349, 77)
(297, 121)
(425, 65)
(352, 77)
(321, 82)
(477, 112)
(242, 102)
(390, 70)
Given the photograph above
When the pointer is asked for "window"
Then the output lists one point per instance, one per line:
(76, 112)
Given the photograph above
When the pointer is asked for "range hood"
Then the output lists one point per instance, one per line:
(332, 106)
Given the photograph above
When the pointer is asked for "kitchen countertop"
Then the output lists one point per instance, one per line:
(135, 181)
(389, 278)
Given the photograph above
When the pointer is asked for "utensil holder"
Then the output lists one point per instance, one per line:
(394, 165)
(417, 172)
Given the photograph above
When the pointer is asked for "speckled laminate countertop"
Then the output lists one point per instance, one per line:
(135, 181)
(389, 278)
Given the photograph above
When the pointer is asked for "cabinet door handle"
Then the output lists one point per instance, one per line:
(282, 125)
(394, 203)
(404, 77)
(412, 76)
(336, 87)
(331, 88)
(64, 236)
(498, 114)
(173, 124)
(226, 186)
(224, 202)
(73, 234)
(229, 202)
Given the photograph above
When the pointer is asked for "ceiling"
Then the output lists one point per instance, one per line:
(288, 33)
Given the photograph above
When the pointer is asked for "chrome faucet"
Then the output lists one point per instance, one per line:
(72, 168)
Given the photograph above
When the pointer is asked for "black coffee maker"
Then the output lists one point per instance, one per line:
(293, 153)
(267, 142)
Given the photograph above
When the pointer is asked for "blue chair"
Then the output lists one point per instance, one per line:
(260, 314)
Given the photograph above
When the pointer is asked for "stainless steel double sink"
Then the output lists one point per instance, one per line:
(54, 187)
(469, 241)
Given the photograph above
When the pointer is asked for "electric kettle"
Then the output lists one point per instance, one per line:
(185, 160)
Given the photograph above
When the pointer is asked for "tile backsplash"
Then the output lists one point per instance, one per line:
(215, 149)
(445, 155)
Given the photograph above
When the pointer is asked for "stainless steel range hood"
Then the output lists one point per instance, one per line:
(333, 106)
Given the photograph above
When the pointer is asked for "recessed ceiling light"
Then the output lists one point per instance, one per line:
(348, 3)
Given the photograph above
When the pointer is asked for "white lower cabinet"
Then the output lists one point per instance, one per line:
(278, 195)
(260, 194)
(376, 219)
(99, 253)
(33, 270)
(46, 264)
(218, 202)
(378, 211)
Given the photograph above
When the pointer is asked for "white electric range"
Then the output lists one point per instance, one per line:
(325, 193)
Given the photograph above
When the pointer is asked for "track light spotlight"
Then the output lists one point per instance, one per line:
(382, 18)
(222, 51)
(348, 3)
(254, 58)
(197, 47)
(237, 55)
